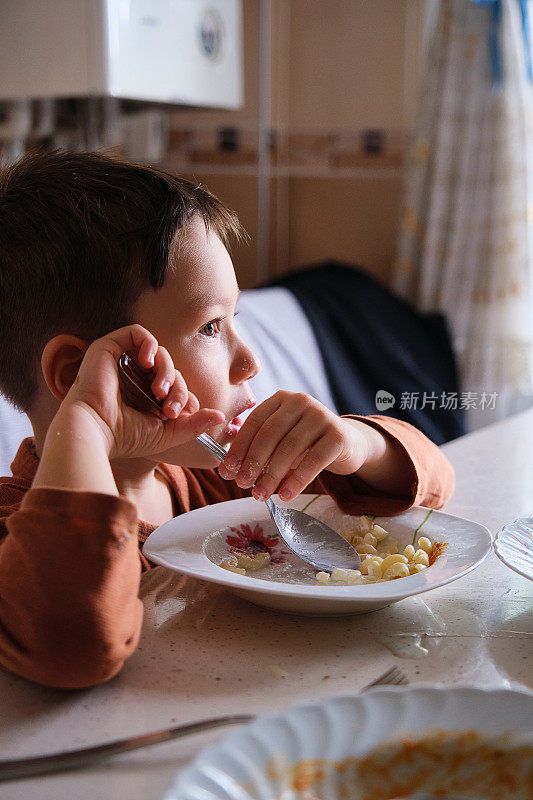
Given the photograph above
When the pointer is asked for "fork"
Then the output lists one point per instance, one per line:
(86, 756)
(392, 677)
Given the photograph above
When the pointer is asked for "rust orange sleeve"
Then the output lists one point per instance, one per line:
(69, 581)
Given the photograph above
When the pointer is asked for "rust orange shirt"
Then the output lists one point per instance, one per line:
(70, 562)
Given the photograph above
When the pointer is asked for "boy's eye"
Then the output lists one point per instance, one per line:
(212, 328)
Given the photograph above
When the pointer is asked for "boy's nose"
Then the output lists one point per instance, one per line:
(245, 366)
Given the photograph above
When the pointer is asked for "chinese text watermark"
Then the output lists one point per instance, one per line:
(452, 401)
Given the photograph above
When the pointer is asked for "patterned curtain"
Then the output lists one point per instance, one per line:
(466, 241)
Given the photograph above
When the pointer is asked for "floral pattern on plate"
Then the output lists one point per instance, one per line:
(250, 541)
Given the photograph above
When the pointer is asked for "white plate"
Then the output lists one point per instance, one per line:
(181, 545)
(514, 546)
(240, 766)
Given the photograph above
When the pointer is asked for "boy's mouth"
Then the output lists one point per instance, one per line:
(234, 425)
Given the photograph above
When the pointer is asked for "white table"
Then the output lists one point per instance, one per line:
(205, 652)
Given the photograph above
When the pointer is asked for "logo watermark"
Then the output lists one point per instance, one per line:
(384, 400)
(452, 401)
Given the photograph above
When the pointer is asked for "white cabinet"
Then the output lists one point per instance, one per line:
(170, 51)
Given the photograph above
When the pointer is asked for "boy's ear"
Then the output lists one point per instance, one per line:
(61, 361)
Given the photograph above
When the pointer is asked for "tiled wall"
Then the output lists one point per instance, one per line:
(325, 191)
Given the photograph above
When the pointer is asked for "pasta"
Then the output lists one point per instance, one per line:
(380, 556)
(240, 563)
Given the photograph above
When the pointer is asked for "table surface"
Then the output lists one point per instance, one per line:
(205, 652)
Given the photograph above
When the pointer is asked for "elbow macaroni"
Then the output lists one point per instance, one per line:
(240, 563)
(421, 557)
(380, 557)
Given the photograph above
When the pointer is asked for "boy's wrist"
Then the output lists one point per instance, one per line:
(383, 463)
(75, 419)
(360, 448)
(76, 452)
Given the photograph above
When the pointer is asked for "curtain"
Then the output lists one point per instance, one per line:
(466, 239)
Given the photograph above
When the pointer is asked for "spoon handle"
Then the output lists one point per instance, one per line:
(213, 447)
(135, 388)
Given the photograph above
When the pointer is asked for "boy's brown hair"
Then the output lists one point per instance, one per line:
(81, 236)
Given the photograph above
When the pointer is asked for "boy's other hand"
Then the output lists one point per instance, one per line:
(126, 431)
(287, 440)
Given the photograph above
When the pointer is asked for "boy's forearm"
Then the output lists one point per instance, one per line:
(75, 454)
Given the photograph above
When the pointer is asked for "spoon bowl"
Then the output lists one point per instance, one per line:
(312, 540)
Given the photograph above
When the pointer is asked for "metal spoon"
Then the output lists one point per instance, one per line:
(309, 538)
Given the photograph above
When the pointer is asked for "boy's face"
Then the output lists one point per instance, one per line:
(192, 316)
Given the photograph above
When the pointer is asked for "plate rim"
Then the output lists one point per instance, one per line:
(329, 594)
(497, 544)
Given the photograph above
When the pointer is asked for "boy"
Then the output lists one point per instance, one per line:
(98, 257)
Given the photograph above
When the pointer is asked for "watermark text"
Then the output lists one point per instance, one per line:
(451, 401)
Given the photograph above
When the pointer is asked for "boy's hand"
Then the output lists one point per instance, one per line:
(287, 440)
(128, 432)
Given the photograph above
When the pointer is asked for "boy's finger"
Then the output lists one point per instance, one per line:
(132, 337)
(147, 349)
(273, 432)
(299, 440)
(173, 410)
(252, 424)
(319, 456)
(189, 426)
(165, 377)
(178, 395)
(192, 404)
(275, 435)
